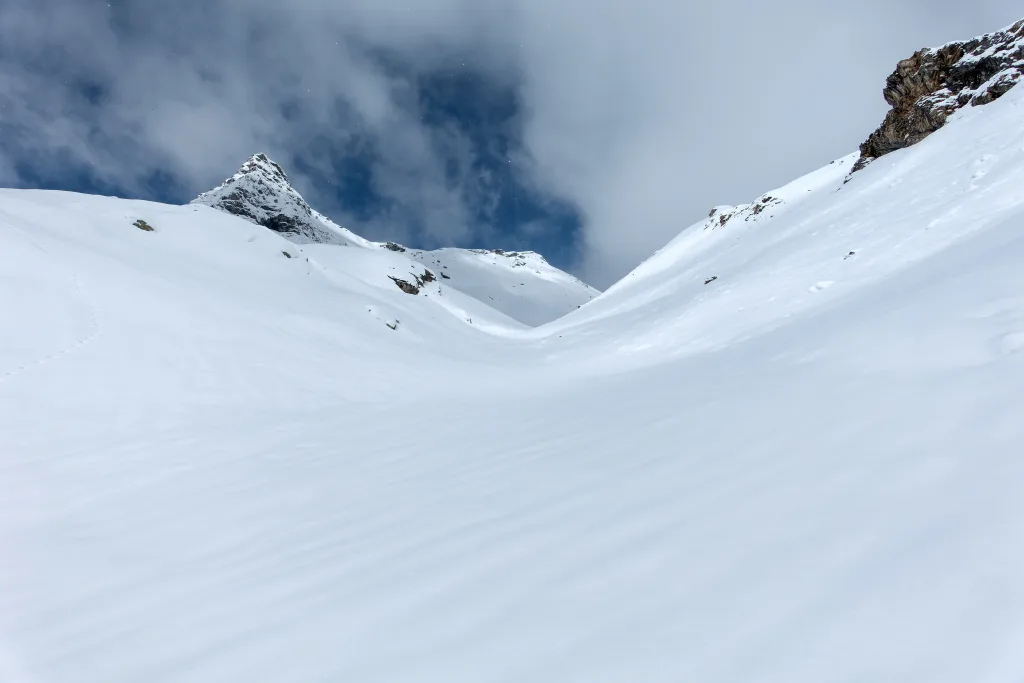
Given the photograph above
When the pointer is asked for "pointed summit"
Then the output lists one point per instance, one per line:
(261, 163)
(260, 193)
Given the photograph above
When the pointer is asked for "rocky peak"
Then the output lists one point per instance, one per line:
(262, 164)
(260, 192)
(935, 82)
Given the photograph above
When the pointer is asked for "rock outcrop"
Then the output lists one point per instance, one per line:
(721, 215)
(260, 192)
(935, 82)
(421, 280)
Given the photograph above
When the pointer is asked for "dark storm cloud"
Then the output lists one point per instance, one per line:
(640, 115)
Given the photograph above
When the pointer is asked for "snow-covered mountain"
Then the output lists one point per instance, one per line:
(261, 193)
(786, 448)
(521, 285)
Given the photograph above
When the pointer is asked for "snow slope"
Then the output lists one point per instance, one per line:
(521, 285)
(820, 238)
(219, 464)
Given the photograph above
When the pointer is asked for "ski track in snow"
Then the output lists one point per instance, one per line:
(805, 469)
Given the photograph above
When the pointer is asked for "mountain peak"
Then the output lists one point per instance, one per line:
(261, 163)
(261, 193)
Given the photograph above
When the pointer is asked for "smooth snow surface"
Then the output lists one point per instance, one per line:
(520, 284)
(219, 463)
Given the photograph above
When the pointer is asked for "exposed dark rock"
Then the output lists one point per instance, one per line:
(392, 246)
(519, 258)
(935, 82)
(143, 225)
(260, 193)
(407, 287)
(762, 204)
(719, 216)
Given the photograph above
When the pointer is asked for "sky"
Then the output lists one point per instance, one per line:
(591, 131)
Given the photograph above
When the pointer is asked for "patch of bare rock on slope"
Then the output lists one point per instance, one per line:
(929, 86)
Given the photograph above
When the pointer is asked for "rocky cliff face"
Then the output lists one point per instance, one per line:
(260, 192)
(935, 82)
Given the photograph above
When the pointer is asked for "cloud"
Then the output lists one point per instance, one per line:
(638, 115)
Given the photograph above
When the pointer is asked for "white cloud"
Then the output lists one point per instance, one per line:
(642, 114)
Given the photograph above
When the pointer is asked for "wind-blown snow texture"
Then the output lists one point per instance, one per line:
(222, 464)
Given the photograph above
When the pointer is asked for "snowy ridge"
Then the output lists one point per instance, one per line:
(829, 235)
(521, 285)
(732, 222)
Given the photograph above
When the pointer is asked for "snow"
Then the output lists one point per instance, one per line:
(261, 193)
(1005, 49)
(521, 285)
(218, 463)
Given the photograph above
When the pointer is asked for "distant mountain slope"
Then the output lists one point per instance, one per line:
(521, 285)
